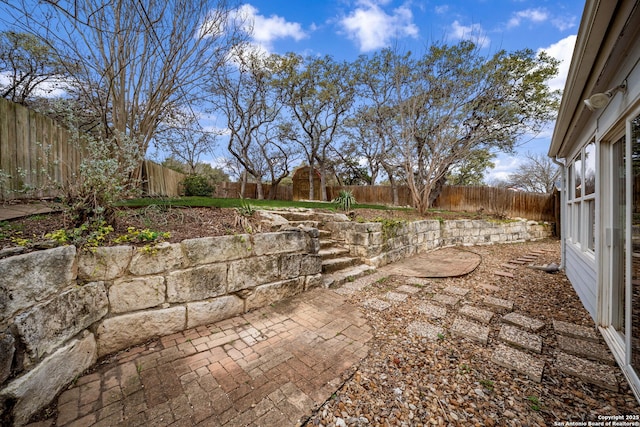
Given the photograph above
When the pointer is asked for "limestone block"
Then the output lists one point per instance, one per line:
(168, 257)
(135, 294)
(293, 240)
(315, 281)
(251, 272)
(106, 263)
(35, 390)
(272, 292)
(213, 310)
(34, 277)
(47, 326)
(130, 329)
(310, 265)
(290, 265)
(7, 350)
(271, 220)
(207, 250)
(197, 283)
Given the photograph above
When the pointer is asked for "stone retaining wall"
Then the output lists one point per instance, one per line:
(61, 309)
(379, 244)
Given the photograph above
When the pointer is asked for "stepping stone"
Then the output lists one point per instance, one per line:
(395, 296)
(424, 329)
(377, 304)
(408, 289)
(588, 371)
(519, 338)
(467, 329)
(524, 322)
(529, 257)
(504, 274)
(515, 261)
(510, 358)
(489, 287)
(476, 313)
(536, 252)
(507, 265)
(433, 311)
(446, 299)
(576, 331)
(586, 349)
(454, 290)
(498, 303)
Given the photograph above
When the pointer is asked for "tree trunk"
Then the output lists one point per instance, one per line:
(259, 190)
(436, 190)
(243, 184)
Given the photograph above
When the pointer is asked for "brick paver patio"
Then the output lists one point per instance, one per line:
(269, 367)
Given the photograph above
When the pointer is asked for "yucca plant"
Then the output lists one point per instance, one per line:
(345, 200)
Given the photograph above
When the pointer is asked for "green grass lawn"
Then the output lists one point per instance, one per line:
(238, 203)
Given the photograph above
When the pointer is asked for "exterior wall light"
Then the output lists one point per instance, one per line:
(600, 100)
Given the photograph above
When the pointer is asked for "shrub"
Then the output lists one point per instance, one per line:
(345, 200)
(197, 185)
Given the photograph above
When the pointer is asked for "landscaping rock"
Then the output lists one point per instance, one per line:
(249, 273)
(105, 263)
(211, 311)
(164, 257)
(123, 331)
(7, 350)
(35, 389)
(425, 330)
(136, 294)
(34, 277)
(197, 283)
(47, 326)
(207, 250)
(273, 292)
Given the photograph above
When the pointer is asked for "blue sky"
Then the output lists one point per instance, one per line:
(348, 28)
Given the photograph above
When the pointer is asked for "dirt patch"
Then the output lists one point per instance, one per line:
(182, 223)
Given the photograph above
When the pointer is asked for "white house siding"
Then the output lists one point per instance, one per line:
(582, 275)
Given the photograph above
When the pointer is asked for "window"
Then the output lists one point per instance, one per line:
(581, 203)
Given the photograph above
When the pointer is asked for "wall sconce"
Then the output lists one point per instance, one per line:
(600, 100)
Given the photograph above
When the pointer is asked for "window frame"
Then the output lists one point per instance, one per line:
(580, 206)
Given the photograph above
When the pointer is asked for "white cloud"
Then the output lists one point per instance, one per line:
(505, 165)
(442, 9)
(473, 32)
(532, 15)
(564, 23)
(265, 30)
(373, 28)
(563, 51)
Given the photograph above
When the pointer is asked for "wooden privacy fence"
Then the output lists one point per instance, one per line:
(38, 157)
(36, 154)
(501, 201)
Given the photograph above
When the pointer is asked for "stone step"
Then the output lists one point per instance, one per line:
(324, 234)
(476, 313)
(576, 331)
(426, 330)
(337, 278)
(586, 349)
(523, 322)
(471, 330)
(588, 371)
(308, 223)
(334, 264)
(521, 339)
(498, 303)
(520, 361)
(332, 252)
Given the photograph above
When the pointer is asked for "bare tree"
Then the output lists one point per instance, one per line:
(28, 64)
(244, 93)
(319, 93)
(134, 61)
(537, 174)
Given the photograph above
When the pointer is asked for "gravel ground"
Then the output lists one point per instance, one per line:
(407, 380)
